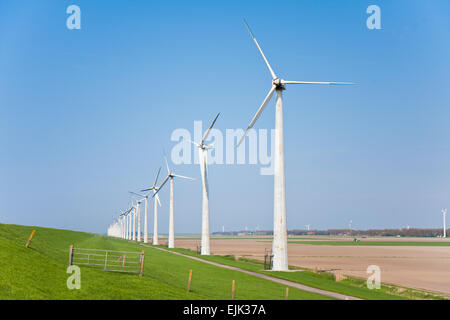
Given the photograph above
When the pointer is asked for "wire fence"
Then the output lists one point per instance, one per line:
(108, 260)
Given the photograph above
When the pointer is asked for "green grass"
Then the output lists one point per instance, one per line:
(351, 286)
(39, 272)
(374, 243)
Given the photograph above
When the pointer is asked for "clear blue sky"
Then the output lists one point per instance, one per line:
(85, 114)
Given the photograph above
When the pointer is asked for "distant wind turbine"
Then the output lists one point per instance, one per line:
(279, 246)
(171, 175)
(130, 214)
(134, 222)
(444, 213)
(122, 224)
(203, 156)
(145, 198)
(125, 226)
(155, 215)
(127, 218)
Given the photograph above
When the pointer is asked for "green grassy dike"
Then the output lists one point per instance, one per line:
(39, 272)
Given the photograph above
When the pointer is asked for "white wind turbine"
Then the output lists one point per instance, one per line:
(145, 198)
(171, 175)
(122, 225)
(125, 226)
(203, 157)
(279, 245)
(132, 209)
(444, 213)
(133, 214)
(127, 218)
(138, 213)
(130, 220)
(157, 201)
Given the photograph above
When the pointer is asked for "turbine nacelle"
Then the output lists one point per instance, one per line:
(202, 145)
(206, 146)
(278, 84)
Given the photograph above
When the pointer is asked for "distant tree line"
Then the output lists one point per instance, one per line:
(405, 232)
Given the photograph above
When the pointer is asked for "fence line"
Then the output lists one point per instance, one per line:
(121, 261)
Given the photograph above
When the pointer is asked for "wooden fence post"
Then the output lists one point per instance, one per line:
(287, 293)
(71, 255)
(141, 271)
(233, 290)
(29, 239)
(189, 281)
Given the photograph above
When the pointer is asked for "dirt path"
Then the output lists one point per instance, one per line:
(263, 276)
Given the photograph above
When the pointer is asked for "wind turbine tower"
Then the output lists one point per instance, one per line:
(203, 157)
(157, 201)
(279, 245)
(444, 213)
(145, 198)
(129, 231)
(138, 213)
(133, 236)
(170, 175)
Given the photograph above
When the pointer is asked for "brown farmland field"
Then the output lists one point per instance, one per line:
(420, 267)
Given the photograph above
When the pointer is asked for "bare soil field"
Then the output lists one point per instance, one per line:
(421, 267)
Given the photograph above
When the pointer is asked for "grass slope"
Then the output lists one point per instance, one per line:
(39, 272)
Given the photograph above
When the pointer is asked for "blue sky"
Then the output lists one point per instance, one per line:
(85, 114)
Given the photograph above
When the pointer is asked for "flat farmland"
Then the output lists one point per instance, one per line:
(411, 262)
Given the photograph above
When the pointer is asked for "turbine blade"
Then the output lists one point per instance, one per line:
(313, 82)
(194, 143)
(177, 175)
(258, 113)
(140, 195)
(260, 51)
(209, 129)
(157, 198)
(148, 189)
(162, 184)
(167, 164)
(157, 175)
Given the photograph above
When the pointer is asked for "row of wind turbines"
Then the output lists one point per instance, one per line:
(125, 226)
(279, 245)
